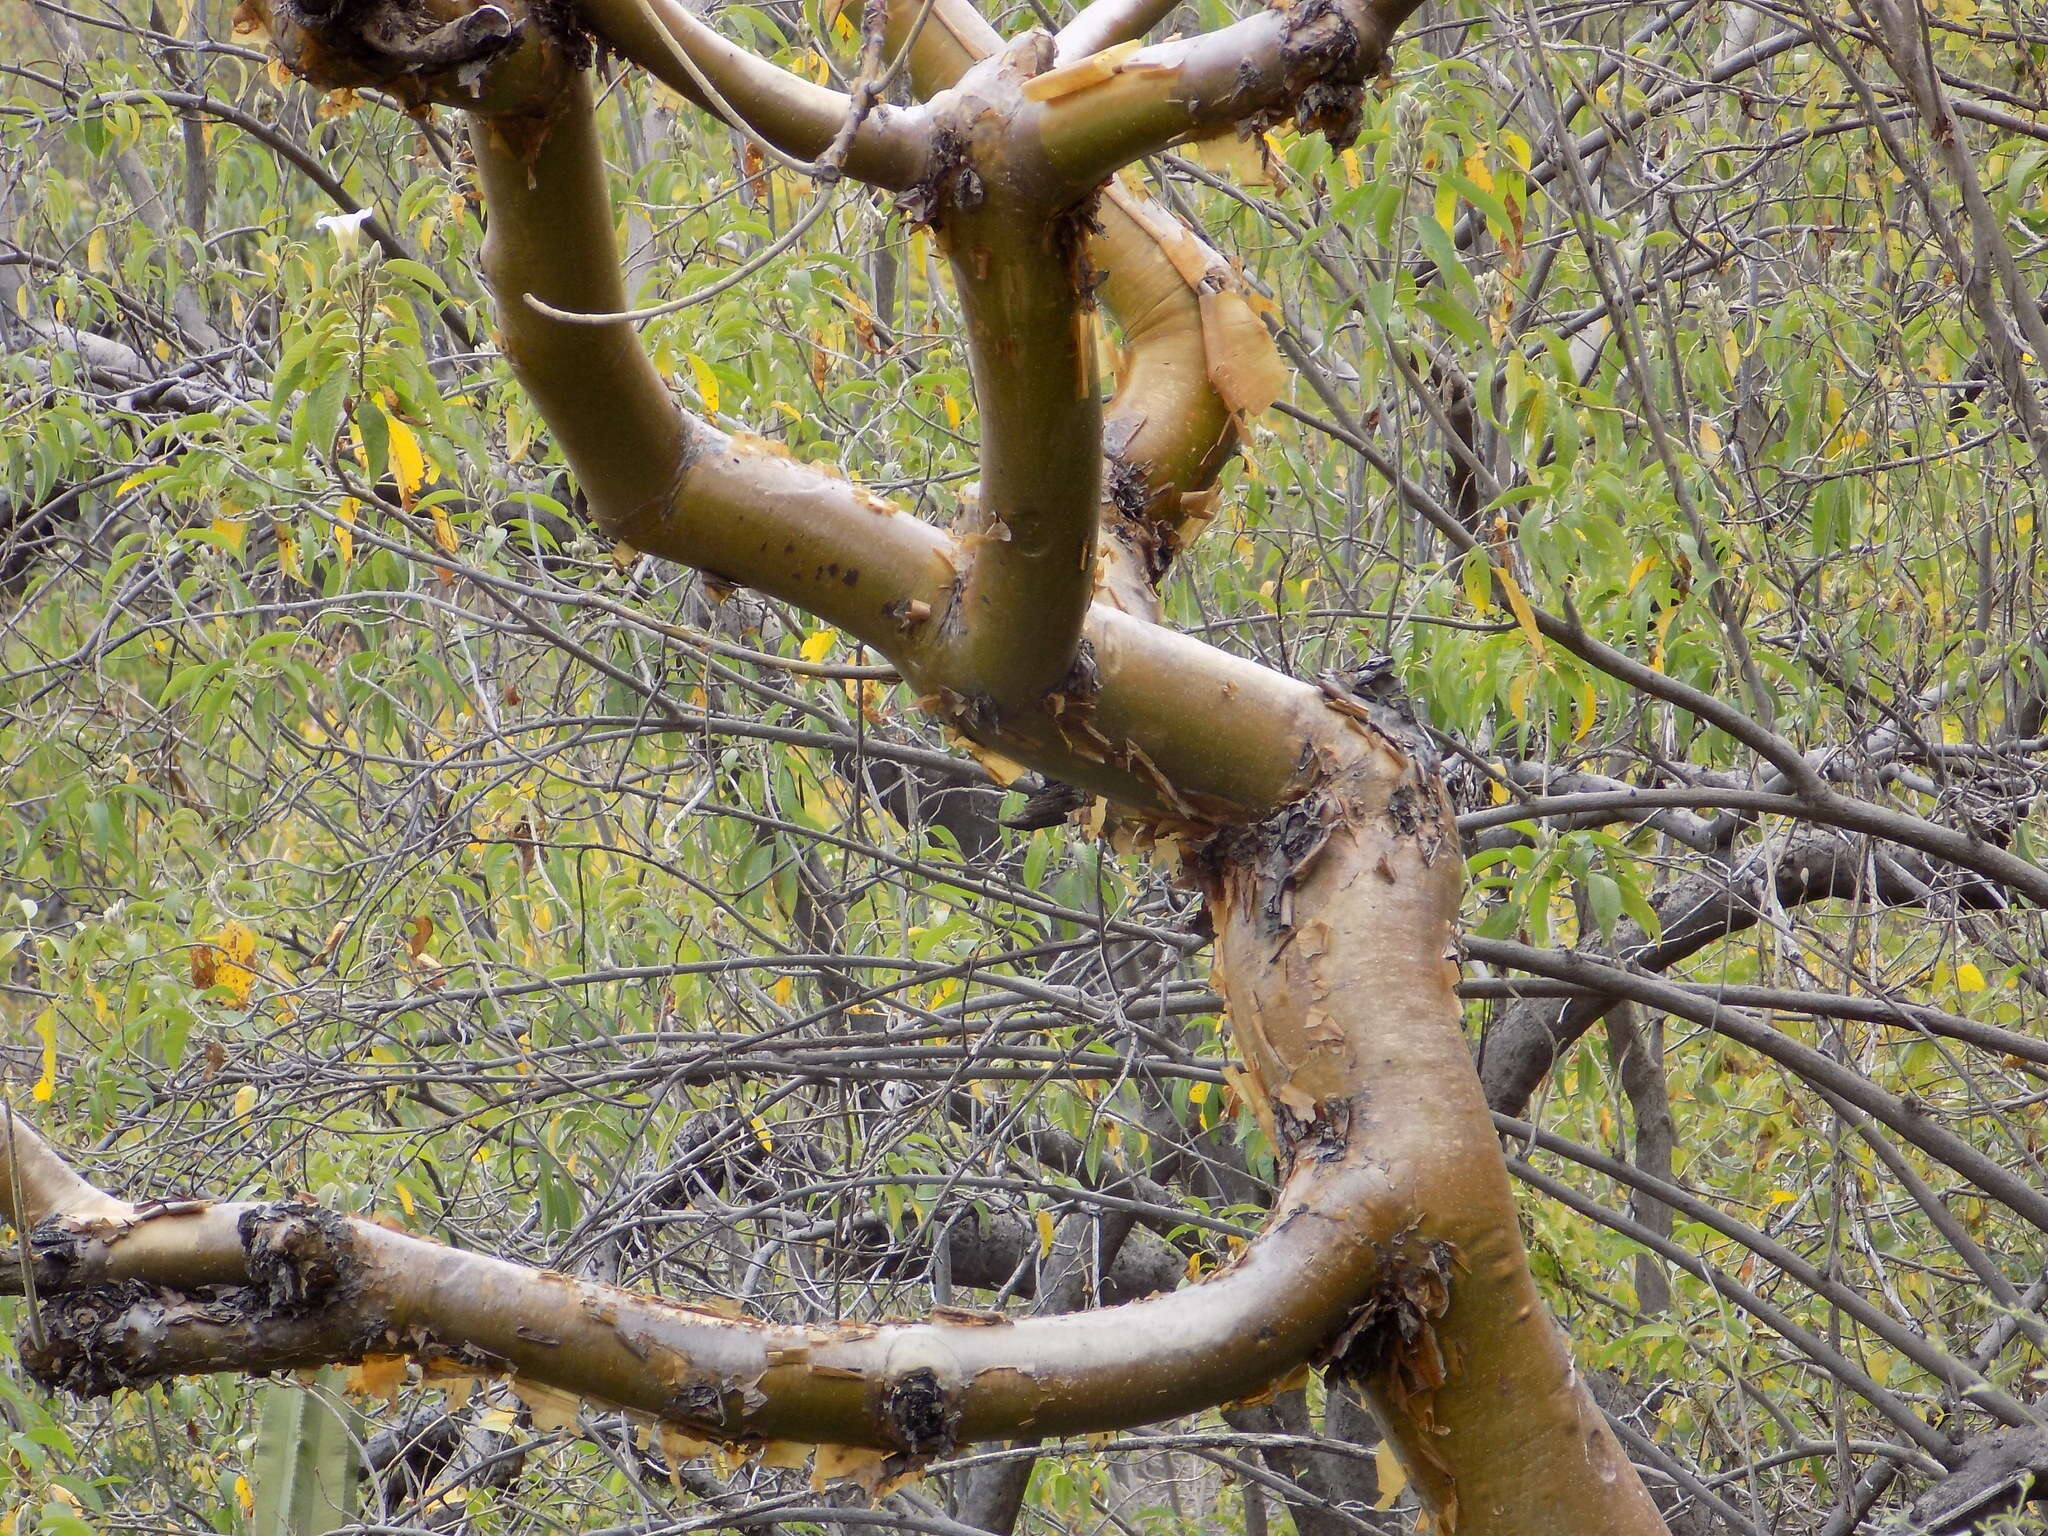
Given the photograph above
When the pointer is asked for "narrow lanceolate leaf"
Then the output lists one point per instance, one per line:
(306, 1459)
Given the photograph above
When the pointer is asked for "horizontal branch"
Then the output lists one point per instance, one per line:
(889, 146)
(1308, 62)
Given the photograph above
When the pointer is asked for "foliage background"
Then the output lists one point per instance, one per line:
(376, 832)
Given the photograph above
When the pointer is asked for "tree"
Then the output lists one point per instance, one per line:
(1598, 498)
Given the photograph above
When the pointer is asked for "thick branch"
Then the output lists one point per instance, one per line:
(1393, 1247)
(675, 487)
(890, 147)
(1016, 248)
(1309, 62)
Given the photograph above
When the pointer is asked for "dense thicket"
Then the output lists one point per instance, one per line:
(1662, 417)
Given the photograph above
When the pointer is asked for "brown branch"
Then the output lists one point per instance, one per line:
(1015, 242)
(1169, 429)
(1392, 1249)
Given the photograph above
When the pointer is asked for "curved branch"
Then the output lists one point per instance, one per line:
(890, 147)
(736, 508)
(1172, 425)
(1014, 622)
(1105, 23)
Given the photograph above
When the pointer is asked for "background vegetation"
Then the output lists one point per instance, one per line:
(372, 830)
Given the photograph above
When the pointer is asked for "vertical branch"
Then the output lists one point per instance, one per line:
(1018, 259)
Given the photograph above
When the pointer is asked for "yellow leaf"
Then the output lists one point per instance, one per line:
(1478, 172)
(1518, 694)
(1198, 1093)
(405, 1201)
(551, 1409)
(1968, 978)
(46, 1031)
(245, 1100)
(96, 249)
(1045, 1232)
(707, 382)
(761, 1133)
(408, 464)
(445, 537)
(1589, 709)
(1640, 569)
(1392, 1478)
(236, 945)
(1352, 173)
(344, 522)
(678, 1445)
(1000, 768)
(1524, 614)
(1447, 207)
(1710, 440)
(819, 645)
(1242, 160)
(952, 411)
(245, 1495)
(854, 1462)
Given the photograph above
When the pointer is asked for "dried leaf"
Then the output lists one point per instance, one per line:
(1393, 1478)
(787, 1454)
(679, 1445)
(1242, 160)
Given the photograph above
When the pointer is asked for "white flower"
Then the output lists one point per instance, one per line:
(347, 228)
